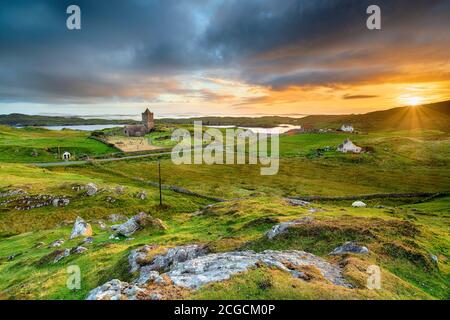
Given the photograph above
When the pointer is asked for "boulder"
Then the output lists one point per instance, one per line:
(142, 195)
(359, 204)
(297, 202)
(81, 229)
(91, 189)
(350, 247)
(88, 240)
(115, 290)
(57, 243)
(136, 223)
(434, 258)
(78, 250)
(202, 270)
(282, 227)
(61, 254)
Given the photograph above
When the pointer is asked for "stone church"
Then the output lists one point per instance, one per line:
(140, 130)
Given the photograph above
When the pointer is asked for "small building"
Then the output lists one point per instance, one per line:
(347, 128)
(349, 146)
(66, 156)
(140, 130)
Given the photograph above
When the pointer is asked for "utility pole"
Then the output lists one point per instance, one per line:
(160, 193)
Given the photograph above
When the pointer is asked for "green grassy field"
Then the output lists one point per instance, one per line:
(40, 145)
(401, 235)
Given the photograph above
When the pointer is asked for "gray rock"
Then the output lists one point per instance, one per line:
(282, 227)
(297, 202)
(199, 271)
(102, 225)
(79, 250)
(142, 195)
(115, 290)
(176, 255)
(350, 247)
(91, 189)
(173, 256)
(88, 240)
(57, 243)
(62, 255)
(434, 258)
(81, 228)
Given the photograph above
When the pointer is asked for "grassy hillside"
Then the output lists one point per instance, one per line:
(435, 116)
(40, 145)
(403, 235)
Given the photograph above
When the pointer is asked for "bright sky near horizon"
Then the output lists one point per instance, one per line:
(222, 57)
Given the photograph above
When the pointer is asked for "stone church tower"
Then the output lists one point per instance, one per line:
(147, 120)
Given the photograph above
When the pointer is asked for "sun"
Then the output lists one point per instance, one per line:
(411, 100)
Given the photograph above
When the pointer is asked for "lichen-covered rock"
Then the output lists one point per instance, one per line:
(136, 223)
(350, 247)
(78, 250)
(57, 243)
(297, 202)
(61, 255)
(81, 229)
(91, 189)
(282, 227)
(142, 195)
(115, 290)
(359, 204)
(221, 266)
(149, 270)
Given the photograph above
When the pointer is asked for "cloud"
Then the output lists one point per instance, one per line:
(139, 49)
(358, 96)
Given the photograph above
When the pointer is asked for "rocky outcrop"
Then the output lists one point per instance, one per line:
(57, 243)
(142, 195)
(297, 202)
(60, 202)
(12, 193)
(81, 229)
(350, 247)
(189, 267)
(91, 189)
(136, 223)
(221, 266)
(115, 290)
(282, 227)
(61, 254)
(30, 202)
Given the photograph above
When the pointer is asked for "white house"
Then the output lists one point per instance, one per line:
(349, 146)
(66, 156)
(347, 128)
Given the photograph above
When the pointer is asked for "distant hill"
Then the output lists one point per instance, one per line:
(434, 116)
(18, 119)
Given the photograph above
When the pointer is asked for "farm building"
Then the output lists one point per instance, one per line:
(347, 128)
(349, 146)
(140, 130)
(66, 156)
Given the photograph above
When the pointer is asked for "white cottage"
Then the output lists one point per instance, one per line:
(349, 146)
(347, 128)
(66, 156)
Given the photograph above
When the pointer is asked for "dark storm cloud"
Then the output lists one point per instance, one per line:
(135, 49)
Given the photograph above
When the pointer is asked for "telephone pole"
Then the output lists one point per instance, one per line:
(160, 193)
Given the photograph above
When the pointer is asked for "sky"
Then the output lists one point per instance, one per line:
(222, 57)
